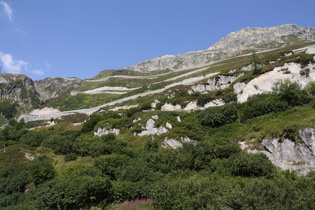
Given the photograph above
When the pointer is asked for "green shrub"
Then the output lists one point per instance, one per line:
(73, 192)
(225, 151)
(90, 123)
(251, 165)
(261, 105)
(217, 116)
(8, 109)
(70, 157)
(108, 137)
(291, 92)
(111, 164)
(59, 143)
(310, 88)
(203, 99)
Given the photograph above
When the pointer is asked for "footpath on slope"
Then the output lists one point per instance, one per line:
(49, 113)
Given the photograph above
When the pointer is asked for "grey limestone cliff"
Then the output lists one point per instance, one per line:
(236, 43)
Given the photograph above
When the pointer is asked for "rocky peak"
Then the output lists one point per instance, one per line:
(236, 43)
(54, 87)
(255, 39)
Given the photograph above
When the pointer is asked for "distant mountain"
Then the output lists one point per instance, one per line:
(243, 41)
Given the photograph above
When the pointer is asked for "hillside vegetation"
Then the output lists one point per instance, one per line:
(163, 139)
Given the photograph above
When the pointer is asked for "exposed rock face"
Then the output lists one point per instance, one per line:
(239, 87)
(54, 87)
(288, 155)
(216, 83)
(104, 131)
(265, 82)
(150, 129)
(19, 88)
(250, 39)
(236, 43)
(46, 113)
(174, 144)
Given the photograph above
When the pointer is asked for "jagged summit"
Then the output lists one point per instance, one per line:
(236, 43)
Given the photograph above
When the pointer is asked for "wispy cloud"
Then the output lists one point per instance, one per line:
(12, 66)
(37, 72)
(7, 10)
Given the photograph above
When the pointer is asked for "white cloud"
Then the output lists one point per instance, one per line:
(7, 10)
(10, 65)
(13, 66)
(37, 72)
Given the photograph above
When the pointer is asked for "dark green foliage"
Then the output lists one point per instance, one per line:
(226, 150)
(14, 178)
(203, 99)
(146, 106)
(131, 112)
(217, 116)
(233, 193)
(261, 105)
(305, 59)
(73, 192)
(151, 145)
(255, 59)
(70, 157)
(108, 137)
(96, 147)
(111, 164)
(251, 165)
(90, 123)
(61, 144)
(291, 92)
(291, 133)
(8, 109)
(33, 138)
(310, 88)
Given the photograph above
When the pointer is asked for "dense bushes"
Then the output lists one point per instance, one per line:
(291, 92)
(262, 104)
(215, 192)
(217, 116)
(15, 178)
(8, 109)
(284, 95)
(74, 192)
(250, 165)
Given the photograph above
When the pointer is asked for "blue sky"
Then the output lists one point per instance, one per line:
(65, 38)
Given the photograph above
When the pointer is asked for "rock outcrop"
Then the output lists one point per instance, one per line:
(289, 155)
(265, 82)
(236, 43)
(104, 131)
(150, 128)
(217, 83)
(54, 87)
(19, 88)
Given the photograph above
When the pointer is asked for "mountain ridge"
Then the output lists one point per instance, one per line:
(223, 47)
